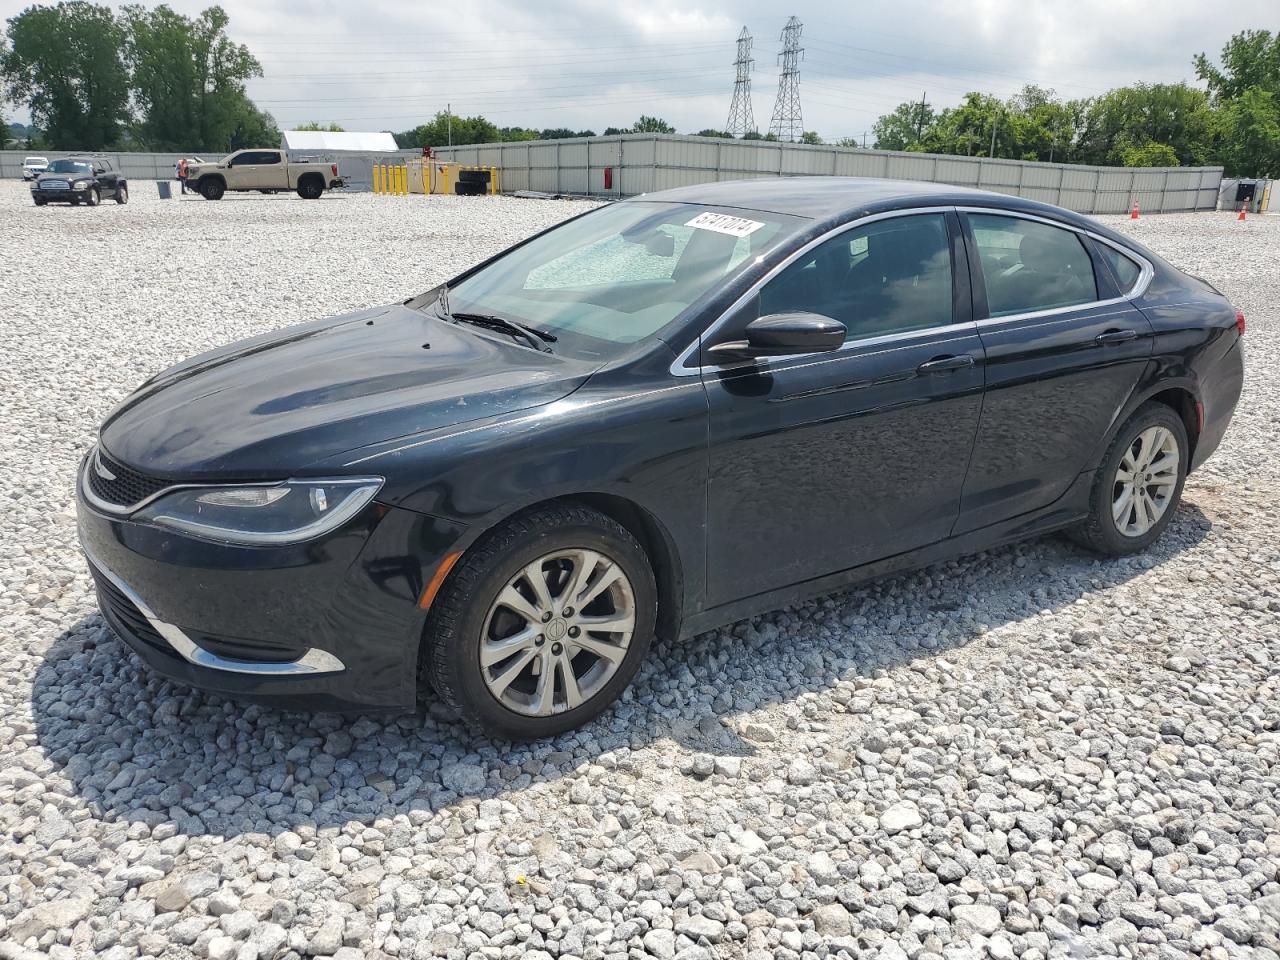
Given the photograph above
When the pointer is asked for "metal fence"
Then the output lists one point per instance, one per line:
(642, 163)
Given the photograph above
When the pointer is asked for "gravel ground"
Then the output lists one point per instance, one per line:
(1027, 753)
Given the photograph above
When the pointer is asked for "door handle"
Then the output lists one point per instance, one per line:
(1115, 336)
(946, 364)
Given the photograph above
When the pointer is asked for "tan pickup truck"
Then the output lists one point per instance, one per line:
(267, 171)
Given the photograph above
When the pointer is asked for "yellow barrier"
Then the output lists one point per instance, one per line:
(377, 178)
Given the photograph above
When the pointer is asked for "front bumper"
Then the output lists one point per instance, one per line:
(61, 196)
(330, 624)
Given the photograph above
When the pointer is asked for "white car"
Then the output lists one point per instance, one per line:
(32, 167)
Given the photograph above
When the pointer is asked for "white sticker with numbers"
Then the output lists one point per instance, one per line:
(723, 223)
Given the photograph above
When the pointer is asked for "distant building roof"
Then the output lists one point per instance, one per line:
(327, 141)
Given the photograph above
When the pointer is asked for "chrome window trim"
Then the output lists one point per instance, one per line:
(678, 367)
(314, 661)
(1147, 273)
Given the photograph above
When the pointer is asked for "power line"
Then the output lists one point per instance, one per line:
(787, 122)
(741, 119)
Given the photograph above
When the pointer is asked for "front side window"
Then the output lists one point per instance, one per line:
(890, 276)
(1030, 266)
(621, 273)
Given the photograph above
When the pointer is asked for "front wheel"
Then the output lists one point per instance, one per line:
(93, 197)
(1138, 484)
(543, 624)
(212, 189)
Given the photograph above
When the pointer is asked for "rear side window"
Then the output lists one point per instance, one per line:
(1125, 270)
(890, 276)
(1030, 266)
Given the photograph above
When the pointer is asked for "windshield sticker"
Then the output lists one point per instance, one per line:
(721, 223)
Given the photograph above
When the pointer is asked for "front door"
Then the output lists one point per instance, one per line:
(828, 461)
(1064, 353)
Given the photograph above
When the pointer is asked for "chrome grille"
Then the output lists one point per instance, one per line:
(118, 485)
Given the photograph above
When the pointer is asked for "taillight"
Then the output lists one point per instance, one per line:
(334, 168)
(1240, 321)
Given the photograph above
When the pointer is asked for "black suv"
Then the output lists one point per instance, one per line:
(88, 180)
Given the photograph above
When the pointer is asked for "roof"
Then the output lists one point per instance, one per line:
(837, 198)
(332, 141)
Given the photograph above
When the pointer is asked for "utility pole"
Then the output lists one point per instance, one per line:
(741, 119)
(995, 122)
(788, 123)
(448, 112)
(920, 119)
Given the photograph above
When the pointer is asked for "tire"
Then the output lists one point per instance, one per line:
(93, 197)
(468, 618)
(122, 194)
(212, 189)
(1146, 441)
(310, 188)
(38, 202)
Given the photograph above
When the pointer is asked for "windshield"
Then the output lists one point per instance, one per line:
(621, 273)
(69, 166)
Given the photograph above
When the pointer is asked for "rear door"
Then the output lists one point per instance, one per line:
(1064, 352)
(827, 461)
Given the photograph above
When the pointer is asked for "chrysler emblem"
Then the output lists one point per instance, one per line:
(100, 470)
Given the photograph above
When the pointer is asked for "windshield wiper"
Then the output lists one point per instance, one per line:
(538, 339)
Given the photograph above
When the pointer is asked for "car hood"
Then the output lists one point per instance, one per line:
(268, 407)
(65, 177)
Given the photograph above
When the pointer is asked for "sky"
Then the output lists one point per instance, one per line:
(587, 64)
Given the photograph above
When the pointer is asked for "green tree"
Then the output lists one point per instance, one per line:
(718, 134)
(564, 133)
(904, 128)
(188, 78)
(66, 63)
(321, 127)
(1249, 60)
(811, 137)
(1246, 134)
(652, 125)
(1149, 154)
(446, 128)
(253, 127)
(1245, 92)
(1170, 113)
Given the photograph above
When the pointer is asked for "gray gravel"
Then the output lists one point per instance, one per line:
(1028, 753)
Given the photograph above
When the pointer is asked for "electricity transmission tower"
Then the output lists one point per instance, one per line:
(787, 123)
(741, 119)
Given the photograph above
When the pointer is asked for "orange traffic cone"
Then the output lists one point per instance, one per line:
(1241, 217)
(1133, 214)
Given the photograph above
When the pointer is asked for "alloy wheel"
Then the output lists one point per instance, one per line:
(557, 632)
(1145, 481)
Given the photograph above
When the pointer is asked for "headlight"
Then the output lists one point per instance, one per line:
(279, 513)
(79, 184)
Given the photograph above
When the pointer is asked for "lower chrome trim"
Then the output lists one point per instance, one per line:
(309, 664)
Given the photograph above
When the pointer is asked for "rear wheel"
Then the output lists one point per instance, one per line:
(1138, 485)
(122, 194)
(543, 624)
(310, 188)
(212, 189)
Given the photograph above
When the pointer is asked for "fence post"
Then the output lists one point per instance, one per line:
(1062, 176)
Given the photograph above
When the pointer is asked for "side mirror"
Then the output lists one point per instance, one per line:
(780, 335)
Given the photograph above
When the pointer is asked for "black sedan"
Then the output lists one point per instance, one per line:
(76, 180)
(662, 416)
